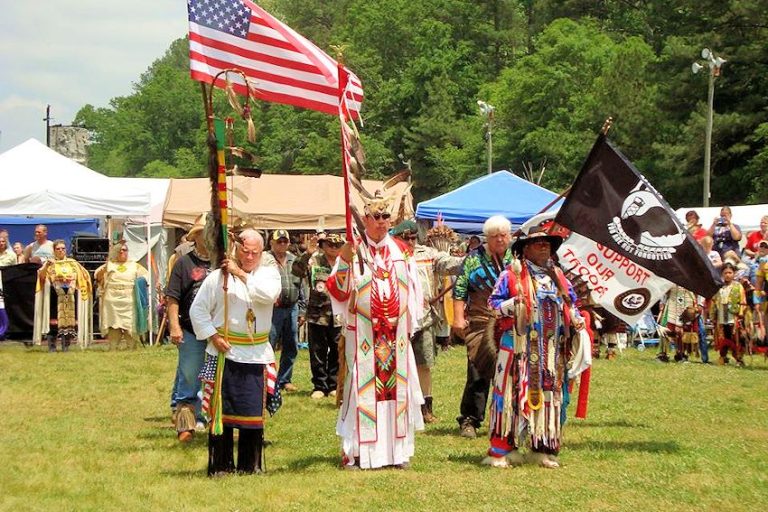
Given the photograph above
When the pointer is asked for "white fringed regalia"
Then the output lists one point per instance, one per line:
(381, 308)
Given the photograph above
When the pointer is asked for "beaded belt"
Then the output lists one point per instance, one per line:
(240, 338)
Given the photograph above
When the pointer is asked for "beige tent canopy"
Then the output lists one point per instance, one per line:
(302, 201)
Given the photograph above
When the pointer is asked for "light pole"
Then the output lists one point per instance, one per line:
(487, 111)
(714, 64)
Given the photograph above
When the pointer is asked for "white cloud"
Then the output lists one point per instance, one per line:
(69, 53)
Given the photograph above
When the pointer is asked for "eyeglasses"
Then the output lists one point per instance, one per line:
(377, 216)
(411, 237)
(281, 241)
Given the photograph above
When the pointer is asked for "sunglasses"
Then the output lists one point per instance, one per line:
(411, 237)
(377, 216)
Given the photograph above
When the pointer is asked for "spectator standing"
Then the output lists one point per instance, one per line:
(707, 243)
(18, 250)
(187, 275)
(725, 233)
(122, 285)
(693, 225)
(471, 315)
(7, 256)
(756, 237)
(285, 315)
(41, 249)
(323, 327)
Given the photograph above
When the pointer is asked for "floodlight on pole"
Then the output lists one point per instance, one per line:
(487, 111)
(714, 64)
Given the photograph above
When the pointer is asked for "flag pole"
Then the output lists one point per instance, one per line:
(343, 80)
(217, 177)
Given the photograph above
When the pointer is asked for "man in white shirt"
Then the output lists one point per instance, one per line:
(239, 359)
(41, 249)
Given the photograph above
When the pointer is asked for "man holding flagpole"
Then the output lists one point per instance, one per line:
(236, 393)
(378, 295)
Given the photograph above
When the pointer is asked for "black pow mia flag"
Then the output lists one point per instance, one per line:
(612, 204)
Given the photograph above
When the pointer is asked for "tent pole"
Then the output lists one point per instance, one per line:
(149, 273)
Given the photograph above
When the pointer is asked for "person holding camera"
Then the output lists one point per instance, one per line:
(725, 233)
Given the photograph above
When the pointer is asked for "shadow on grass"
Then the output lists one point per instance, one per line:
(626, 446)
(185, 473)
(602, 424)
(329, 461)
(157, 419)
(471, 459)
(750, 368)
(451, 430)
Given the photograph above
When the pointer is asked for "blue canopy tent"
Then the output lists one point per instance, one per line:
(501, 193)
(22, 229)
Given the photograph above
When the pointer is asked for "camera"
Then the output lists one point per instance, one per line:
(721, 221)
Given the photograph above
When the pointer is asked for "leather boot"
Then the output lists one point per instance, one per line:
(426, 411)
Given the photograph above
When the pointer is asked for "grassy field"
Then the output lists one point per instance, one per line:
(91, 431)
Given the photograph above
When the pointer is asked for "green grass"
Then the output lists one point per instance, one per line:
(91, 431)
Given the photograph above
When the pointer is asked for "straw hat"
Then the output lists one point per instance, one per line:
(197, 228)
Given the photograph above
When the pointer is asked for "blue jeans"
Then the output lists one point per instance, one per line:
(703, 344)
(187, 385)
(285, 328)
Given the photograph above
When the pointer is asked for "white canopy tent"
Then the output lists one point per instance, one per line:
(41, 182)
(747, 217)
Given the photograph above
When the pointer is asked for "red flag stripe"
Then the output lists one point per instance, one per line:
(285, 67)
(223, 47)
(205, 68)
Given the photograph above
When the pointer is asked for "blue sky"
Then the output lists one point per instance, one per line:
(69, 53)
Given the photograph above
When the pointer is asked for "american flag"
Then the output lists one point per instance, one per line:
(280, 64)
(271, 378)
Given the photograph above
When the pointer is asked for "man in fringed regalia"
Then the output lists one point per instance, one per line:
(431, 264)
(727, 314)
(679, 316)
(377, 292)
(536, 358)
(63, 297)
(238, 373)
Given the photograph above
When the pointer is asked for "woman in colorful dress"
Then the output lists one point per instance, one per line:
(65, 314)
(123, 299)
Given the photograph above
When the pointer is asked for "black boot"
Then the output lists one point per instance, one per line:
(221, 453)
(250, 449)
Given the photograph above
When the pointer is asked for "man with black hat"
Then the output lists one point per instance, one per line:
(323, 327)
(543, 345)
(285, 315)
(186, 276)
(431, 265)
